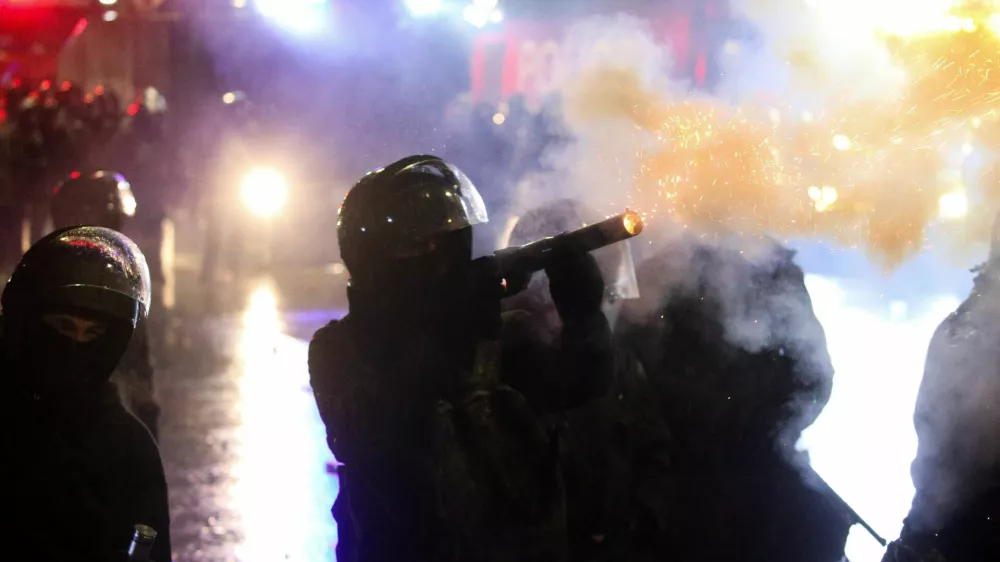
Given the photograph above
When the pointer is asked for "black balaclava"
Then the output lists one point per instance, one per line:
(49, 364)
(416, 289)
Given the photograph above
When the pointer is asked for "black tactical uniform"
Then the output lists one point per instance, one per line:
(615, 446)
(441, 460)
(956, 509)
(728, 336)
(80, 471)
(104, 198)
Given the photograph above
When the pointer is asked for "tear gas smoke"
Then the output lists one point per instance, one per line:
(852, 144)
(866, 166)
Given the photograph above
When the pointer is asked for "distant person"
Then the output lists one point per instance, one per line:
(104, 198)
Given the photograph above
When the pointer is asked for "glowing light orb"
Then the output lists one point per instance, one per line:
(264, 192)
(954, 205)
(301, 16)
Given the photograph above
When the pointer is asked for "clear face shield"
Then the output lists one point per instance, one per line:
(620, 280)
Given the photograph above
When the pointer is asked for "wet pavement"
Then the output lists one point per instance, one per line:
(250, 475)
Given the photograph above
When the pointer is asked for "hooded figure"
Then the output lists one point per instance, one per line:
(615, 445)
(75, 458)
(729, 339)
(956, 473)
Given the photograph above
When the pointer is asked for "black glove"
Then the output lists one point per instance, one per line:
(487, 285)
(576, 284)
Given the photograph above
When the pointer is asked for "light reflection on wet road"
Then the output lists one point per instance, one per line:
(242, 443)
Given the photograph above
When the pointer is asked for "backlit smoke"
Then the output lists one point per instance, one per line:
(864, 166)
(843, 122)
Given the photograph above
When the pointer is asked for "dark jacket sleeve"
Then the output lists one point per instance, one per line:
(588, 351)
(329, 350)
(141, 477)
(561, 375)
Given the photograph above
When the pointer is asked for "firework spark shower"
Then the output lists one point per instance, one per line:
(854, 145)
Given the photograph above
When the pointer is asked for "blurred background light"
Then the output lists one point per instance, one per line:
(424, 7)
(953, 205)
(110, 15)
(264, 192)
(301, 16)
(481, 12)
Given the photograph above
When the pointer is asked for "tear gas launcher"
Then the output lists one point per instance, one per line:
(517, 263)
(839, 504)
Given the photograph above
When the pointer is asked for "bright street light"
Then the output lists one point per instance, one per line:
(264, 192)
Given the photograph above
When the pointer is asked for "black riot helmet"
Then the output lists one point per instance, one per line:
(85, 267)
(406, 222)
(102, 198)
(86, 272)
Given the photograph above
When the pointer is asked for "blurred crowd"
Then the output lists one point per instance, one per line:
(50, 131)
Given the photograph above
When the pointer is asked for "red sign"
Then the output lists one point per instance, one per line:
(519, 59)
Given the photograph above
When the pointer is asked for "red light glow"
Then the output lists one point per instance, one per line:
(79, 28)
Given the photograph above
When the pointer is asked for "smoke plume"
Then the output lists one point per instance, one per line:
(842, 122)
(863, 162)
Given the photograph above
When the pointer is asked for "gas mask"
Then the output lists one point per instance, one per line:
(418, 285)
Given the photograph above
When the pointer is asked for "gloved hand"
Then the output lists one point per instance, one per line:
(576, 284)
(487, 284)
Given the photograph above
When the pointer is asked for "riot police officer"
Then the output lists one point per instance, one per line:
(74, 457)
(615, 455)
(11, 211)
(31, 157)
(144, 158)
(441, 460)
(104, 198)
(727, 334)
(14, 93)
(955, 513)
